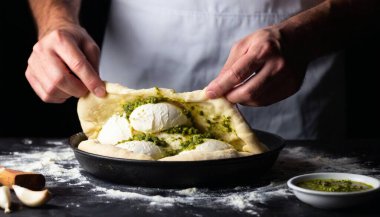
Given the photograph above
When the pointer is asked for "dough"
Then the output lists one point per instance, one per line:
(217, 116)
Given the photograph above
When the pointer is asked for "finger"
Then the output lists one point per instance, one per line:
(247, 93)
(92, 52)
(78, 63)
(36, 86)
(271, 84)
(237, 51)
(59, 74)
(45, 75)
(50, 87)
(242, 69)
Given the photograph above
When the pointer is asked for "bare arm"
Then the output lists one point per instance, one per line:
(51, 13)
(64, 62)
(280, 53)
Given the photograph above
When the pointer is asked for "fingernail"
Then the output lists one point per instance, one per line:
(100, 91)
(211, 94)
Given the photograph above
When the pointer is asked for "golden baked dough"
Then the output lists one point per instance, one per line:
(217, 116)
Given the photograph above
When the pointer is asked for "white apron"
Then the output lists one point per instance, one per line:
(183, 44)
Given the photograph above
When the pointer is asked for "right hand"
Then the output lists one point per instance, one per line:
(65, 63)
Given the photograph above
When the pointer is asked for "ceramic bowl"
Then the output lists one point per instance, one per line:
(334, 200)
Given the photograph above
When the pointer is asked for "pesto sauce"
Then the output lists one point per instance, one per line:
(334, 185)
(147, 137)
(183, 130)
(193, 140)
(130, 106)
(171, 152)
(220, 123)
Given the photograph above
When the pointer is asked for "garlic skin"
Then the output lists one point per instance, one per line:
(5, 199)
(31, 198)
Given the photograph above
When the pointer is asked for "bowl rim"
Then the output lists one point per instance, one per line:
(293, 181)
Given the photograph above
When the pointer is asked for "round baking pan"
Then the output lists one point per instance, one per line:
(181, 174)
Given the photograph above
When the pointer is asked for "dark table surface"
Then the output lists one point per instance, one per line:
(77, 193)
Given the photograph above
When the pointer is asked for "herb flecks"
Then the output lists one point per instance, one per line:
(220, 123)
(147, 137)
(194, 140)
(183, 130)
(130, 106)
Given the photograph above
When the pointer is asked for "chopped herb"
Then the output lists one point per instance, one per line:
(130, 106)
(195, 140)
(184, 130)
(147, 137)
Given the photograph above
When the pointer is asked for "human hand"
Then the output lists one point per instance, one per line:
(64, 63)
(277, 75)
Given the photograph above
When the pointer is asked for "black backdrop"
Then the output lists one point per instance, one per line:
(22, 114)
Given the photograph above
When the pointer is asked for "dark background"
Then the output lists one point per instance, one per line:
(23, 114)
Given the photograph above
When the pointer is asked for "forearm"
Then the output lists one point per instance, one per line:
(327, 27)
(49, 14)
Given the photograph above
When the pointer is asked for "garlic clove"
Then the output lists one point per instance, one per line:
(31, 198)
(5, 199)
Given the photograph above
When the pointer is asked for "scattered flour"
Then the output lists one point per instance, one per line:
(58, 164)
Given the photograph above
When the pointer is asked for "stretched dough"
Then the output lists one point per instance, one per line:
(94, 147)
(93, 112)
(194, 155)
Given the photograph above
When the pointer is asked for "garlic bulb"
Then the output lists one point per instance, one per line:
(5, 199)
(31, 198)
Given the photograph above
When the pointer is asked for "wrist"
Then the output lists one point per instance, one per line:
(57, 23)
(294, 42)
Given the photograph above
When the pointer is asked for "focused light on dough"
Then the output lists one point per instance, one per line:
(114, 130)
(5, 199)
(31, 198)
(210, 145)
(153, 118)
(178, 126)
(142, 147)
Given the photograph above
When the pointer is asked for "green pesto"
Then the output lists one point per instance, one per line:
(183, 130)
(226, 122)
(193, 140)
(334, 185)
(170, 152)
(147, 137)
(220, 123)
(130, 106)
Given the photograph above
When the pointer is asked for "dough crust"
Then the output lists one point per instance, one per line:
(93, 112)
(94, 147)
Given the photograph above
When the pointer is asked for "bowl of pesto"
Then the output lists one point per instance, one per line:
(334, 190)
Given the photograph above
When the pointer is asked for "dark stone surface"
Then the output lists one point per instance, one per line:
(71, 200)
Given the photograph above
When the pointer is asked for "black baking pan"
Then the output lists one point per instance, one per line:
(181, 174)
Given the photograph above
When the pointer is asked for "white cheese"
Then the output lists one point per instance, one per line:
(142, 147)
(116, 129)
(153, 118)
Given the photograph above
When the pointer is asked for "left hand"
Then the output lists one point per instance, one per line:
(277, 77)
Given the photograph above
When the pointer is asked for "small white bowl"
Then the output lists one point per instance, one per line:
(334, 200)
